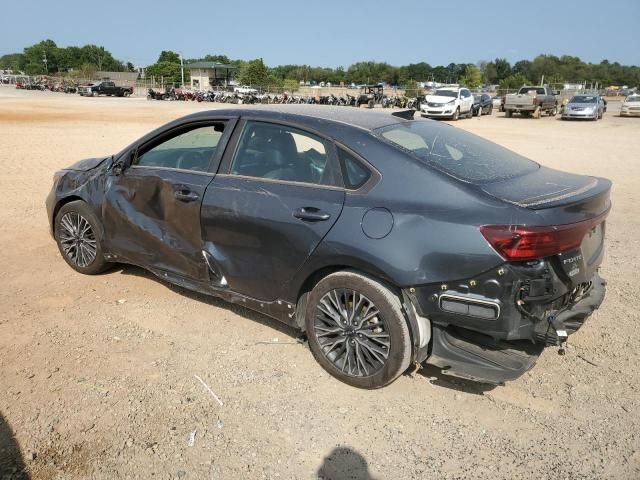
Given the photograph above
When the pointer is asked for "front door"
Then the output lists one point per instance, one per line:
(151, 210)
(270, 206)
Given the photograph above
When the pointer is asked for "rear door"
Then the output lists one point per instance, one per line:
(274, 200)
(151, 210)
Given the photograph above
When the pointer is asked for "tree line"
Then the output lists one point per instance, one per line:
(47, 58)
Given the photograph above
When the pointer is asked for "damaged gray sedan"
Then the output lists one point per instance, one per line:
(388, 241)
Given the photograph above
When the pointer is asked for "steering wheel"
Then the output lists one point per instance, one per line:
(190, 159)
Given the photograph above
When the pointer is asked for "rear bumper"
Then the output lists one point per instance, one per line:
(483, 333)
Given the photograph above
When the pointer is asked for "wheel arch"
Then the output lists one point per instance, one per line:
(61, 203)
(68, 199)
(371, 272)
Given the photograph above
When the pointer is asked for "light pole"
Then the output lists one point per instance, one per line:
(181, 71)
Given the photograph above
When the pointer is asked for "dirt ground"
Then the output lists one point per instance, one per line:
(98, 374)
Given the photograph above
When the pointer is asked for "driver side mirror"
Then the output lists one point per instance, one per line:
(124, 162)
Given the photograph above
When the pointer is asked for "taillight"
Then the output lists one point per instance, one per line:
(518, 243)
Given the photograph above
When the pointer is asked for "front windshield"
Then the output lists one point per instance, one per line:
(633, 98)
(446, 93)
(460, 154)
(584, 99)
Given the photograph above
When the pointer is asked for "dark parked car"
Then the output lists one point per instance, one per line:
(388, 241)
(482, 104)
(104, 88)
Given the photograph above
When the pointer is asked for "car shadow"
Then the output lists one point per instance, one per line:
(344, 463)
(212, 301)
(12, 466)
(435, 377)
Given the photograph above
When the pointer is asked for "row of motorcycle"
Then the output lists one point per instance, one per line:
(44, 86)
(178, 94)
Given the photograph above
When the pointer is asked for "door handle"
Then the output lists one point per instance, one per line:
(186, 195)
(311, 214)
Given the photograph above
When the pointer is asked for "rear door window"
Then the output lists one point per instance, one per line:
(280, 152)
(354, 173)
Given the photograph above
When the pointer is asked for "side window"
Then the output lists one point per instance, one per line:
(354, 173)
(279, 152)
(190, 150)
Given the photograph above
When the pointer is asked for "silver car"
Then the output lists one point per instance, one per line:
(584, 106)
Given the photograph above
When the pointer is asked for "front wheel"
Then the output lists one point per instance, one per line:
(78, 234)
(456, 115)
(357, 331)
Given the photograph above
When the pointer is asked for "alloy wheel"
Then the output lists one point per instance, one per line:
(77, 239)
(351, 333)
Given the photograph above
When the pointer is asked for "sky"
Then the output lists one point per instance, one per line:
(332, 33)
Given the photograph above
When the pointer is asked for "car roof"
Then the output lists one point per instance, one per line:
(308, 115)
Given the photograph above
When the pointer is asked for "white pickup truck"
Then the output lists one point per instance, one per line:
(531, 101)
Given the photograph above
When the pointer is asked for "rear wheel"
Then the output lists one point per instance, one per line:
(78, 234)
(507, 113)
(357, 331)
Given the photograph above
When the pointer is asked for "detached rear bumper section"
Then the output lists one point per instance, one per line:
(493, 329)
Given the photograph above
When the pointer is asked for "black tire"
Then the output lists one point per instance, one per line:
(456, 115)
(507, 113)
(370, 104)
(490, 112)
(92, 239)
(388, 320)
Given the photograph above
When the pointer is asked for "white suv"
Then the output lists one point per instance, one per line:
(448, 103)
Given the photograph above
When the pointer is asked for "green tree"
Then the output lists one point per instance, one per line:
(503, 69)
(472, 78)
(40, 58)
(253, 72)
(169, 56)
(290, 85)
(11, 61)
(168, 71)
(514, 81)
(412, 89)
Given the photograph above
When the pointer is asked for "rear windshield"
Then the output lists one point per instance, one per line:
(538, 90)
(460, 154)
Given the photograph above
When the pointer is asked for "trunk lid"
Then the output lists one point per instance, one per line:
(573, 208)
